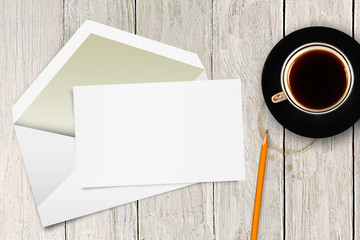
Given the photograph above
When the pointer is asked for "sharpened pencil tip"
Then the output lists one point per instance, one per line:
(265, 137)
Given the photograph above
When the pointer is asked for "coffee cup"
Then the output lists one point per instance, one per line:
(316, 78)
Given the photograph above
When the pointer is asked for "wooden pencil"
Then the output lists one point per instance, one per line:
(259, 188)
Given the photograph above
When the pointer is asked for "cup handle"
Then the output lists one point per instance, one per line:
(279, 97)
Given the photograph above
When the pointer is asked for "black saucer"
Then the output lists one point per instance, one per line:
(308, 125)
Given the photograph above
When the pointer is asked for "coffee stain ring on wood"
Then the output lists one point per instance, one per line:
(278, 146)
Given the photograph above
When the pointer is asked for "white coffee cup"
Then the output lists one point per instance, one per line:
(287, 91)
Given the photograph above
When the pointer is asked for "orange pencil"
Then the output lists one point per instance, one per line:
(259, 188)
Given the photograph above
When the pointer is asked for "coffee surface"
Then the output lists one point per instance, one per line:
(317, 79)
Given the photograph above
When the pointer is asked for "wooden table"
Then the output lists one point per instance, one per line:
(311, 186)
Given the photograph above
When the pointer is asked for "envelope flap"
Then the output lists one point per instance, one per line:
(98, 54)
(49, 159)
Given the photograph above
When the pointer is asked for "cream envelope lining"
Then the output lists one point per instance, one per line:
(96, 61)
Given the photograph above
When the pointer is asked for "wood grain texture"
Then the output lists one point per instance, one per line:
(116, 13)
(184, 24)
(119, 222)
(244, 33)
(186, 213)
(232, 38)
(30, 36)
(318, 174)
(125, 221)
(356, 149)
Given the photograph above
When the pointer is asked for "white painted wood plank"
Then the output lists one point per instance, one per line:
(244, 33)
(115, 13)
(30, 36)
(183, 24)
(125, 221)
(319, 178)
(357, 140)
(186, 213)
(119, 222)
(181, 214)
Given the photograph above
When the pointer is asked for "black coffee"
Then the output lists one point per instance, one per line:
(317, 79)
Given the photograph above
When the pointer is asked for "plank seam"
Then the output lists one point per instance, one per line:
(137, 221)
(212, 76)
(65, 231)
(213, 212)
(353, 19)
(353, 139)
(135, 17)
(212, 40)
(284, 141)
(137, 202)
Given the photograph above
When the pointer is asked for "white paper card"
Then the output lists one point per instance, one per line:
(159, 133)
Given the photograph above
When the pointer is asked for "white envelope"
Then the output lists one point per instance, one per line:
(159, 133)
(44, 121)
